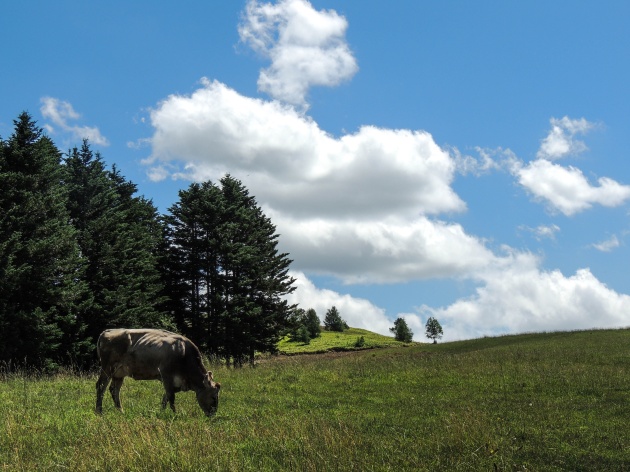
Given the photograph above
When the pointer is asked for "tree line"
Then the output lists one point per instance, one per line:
(81, 252)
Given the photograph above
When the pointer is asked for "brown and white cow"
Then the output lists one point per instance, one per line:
(153, 354)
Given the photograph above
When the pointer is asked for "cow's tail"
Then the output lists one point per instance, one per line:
(99, 343)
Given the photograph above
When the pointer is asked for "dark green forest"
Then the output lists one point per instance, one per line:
(81, 252)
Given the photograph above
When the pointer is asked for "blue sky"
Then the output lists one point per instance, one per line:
(466, 160)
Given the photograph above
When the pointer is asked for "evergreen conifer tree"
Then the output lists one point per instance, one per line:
(42, 294)
(191, 270)
(256, 275)
(312, 323)
(119, 236)
(333, 320)
(225, 277)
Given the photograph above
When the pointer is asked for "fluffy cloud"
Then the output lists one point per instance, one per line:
(306, 47)
(513, 296)
(61, 113)
(546, 231)
(566, 189)
(522, 297)
(561, 140)
(357, 204)
(297, 168)
(486, 162)
(382, 251)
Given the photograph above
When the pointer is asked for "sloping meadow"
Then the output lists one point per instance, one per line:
(556, 401)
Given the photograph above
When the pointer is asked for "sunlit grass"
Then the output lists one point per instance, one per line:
(339, 341)
(542, 402)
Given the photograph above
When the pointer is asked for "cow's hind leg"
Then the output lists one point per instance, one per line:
(169, 395)
(114, 389)
(101, 385)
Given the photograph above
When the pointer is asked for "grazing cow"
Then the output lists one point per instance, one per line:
(153, 354)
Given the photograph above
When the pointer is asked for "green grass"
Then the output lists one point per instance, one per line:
(338, 341)
(537, 402)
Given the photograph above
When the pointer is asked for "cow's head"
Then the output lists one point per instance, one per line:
(208, 396)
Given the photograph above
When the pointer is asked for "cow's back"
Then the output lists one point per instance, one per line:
(140, 353)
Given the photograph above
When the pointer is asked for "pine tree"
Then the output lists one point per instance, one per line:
(333, 320)
(225, 277)
(256, 275)
(296, 323)
(191, 270)
(401, 331)
(41, 294)
(302, 335)
(312, 323)
(137, 296)
(119, 236)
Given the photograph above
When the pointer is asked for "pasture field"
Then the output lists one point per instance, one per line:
(536, 402)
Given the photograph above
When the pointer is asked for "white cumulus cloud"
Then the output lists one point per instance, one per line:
(523, 297)
(306, 47)
(561, 140)
(567, 190)
(296, 167)
(514, 295)
(388, 251)
(62, 114)
(358, 204)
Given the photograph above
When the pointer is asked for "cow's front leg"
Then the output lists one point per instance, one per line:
(114, 389)
(101, 385)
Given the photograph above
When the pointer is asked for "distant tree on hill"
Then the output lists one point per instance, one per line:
(401, 331)
(333, 321)
(304, 325)
(295, 322)
(434, 329)
(312, 323)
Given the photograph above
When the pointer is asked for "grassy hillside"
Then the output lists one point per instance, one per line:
(335, 341)
(538, 402)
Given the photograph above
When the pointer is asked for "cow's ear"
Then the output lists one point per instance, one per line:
(210, 376)
(217, 385)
